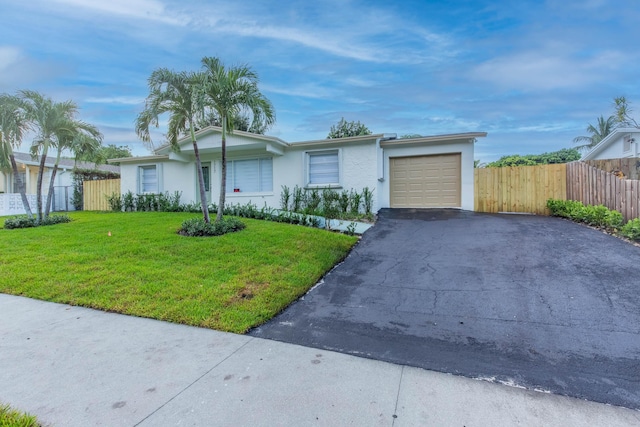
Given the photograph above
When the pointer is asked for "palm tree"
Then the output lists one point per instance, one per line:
(81, 139)
(604, 128)
(48, 119)
(229, 92)
(13, 124)
(179, 95)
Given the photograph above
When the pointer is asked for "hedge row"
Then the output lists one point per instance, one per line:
(597, 216)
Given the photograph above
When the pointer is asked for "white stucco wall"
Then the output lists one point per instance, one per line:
(466, 149)
(615, 149)
(358, 169)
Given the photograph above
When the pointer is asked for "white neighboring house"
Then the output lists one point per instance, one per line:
(10, 200)
(425, 172)
(621, 143)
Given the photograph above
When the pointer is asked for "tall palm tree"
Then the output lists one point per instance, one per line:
(48, 119)
(78, 137)
(604, 128)
(13, 124)
(179, 95)
(230, 92)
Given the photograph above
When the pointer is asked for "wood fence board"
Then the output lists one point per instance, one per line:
(593, 186)
(95, 193)
(519, 189)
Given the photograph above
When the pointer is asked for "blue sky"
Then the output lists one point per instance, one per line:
(533, 74)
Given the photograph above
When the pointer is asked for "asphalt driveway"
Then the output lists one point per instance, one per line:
(532, 301)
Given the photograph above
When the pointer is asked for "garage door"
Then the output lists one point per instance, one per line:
(425, 181)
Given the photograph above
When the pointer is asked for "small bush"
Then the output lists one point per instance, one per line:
(115, 202)
(596, 216)
(631, 229)
(196, 227)
(28, 222)
(285, 196)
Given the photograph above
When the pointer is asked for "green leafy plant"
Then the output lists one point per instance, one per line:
(596, 216)
(351, 229)
(197, 227)
(631, 229)
(367, 197)
(313, 200)
(298, 199)
(356, 200)
(128, 202)
(115, 202)
(285, 197)
(344, 201)
(12, 418)
(24, 221)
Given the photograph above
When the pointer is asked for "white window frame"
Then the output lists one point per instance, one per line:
(158, 168)
(307, 171)
(231, 172)
(626, 144)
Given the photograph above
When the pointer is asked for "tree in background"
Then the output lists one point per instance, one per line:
(597, 133)
(623, 113)
(561, 156)
(345, 129)
(180, 96)
(231, 93)
(13, 124)
(78, 137)
(55, 125)
(104, 153)
(241, 123)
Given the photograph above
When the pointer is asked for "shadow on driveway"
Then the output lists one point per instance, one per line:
(530, 301)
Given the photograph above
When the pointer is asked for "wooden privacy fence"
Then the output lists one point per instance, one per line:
(629, 166)
(519, 189)
(593, 186)
(95, 193)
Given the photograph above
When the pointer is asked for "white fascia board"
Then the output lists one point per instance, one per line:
(139, 159)
(606, 141)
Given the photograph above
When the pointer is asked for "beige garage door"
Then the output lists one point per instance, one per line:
(425, 181)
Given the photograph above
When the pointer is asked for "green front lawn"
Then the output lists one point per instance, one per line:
(231, 282)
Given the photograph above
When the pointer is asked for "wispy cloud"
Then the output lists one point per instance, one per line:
(151, 10)
(9, 55)
(123, 100)
(546, 70)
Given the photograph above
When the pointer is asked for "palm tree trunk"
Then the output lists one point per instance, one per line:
(223, 170)
(47, 208)
(203, 193)
(40, 177)
(21, 186)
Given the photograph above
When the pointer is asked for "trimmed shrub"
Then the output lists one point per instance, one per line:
(631, 229)
(196, 227)
(596, 216)
(24, 221)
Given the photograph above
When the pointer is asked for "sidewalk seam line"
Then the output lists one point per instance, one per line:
(194, 381)
(395, 410)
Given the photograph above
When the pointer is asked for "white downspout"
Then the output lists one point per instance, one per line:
(380, 154)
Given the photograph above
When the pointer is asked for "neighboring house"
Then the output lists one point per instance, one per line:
(621, 143)
(433, 171)
(10, 201)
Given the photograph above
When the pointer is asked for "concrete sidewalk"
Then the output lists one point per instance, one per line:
(73, 366)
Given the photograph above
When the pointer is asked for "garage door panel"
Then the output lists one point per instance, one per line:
(425, 181)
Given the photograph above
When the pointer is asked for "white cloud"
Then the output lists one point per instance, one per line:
(152, 10)
(122, 100)
(307, 91)
(9, 56)
(547, 69)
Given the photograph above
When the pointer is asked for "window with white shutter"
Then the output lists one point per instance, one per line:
(148, 179)
(250, 176)
(323, 168)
